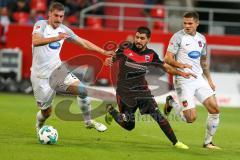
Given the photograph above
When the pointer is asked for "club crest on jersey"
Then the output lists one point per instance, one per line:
(37, 27)
(147, 58)
(185, 103)
(200, 43)
(194, 54)
(54, 45)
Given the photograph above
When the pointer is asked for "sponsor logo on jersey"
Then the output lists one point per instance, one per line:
(54, 45)
(194, 54)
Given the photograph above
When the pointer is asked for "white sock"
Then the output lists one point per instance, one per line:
(212, 125)
(178, 110)
(85, 106)
(40, 119)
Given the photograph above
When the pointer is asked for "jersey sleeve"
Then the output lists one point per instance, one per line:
(39, 27)
(174, 43)
(119, 54)
(72, 35)
(156, 60)
(204, 50)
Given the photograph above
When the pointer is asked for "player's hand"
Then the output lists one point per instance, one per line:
(62, 35)
(212, 85)
(108, 61)
(188, 75)
(185, 66)
(109, 53)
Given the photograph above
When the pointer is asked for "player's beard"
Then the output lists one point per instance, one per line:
(140, 48)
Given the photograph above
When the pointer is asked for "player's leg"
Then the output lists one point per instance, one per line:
(76, 87)
(208, 99)
(172, 104)
(44, 96)
(150, 106)
(212, 121)
(190, 115)
(42, 116)
(65, 82)
(186, 110)
(85, 106)
(124, 117)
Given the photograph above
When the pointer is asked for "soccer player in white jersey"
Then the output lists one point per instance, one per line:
(187, 51)
(47, 40)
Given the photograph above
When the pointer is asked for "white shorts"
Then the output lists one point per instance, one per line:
(187, 92)
(45, 90)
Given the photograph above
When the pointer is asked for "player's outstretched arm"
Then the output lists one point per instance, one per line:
(169, 59)
(90, 46)
(174, 71)
(206, 71)
(39, 40)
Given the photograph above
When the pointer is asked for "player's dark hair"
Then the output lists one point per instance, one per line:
(144, 30)
(191, 14)
(56, 6)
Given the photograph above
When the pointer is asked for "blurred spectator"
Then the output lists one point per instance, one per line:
(38, 10)
(20, 12)
(99, 10)
(4, 22)
(4, 3)
(73, 8)
(29, 11)
(60, 1)
(146, 11)
(95, 22)
(130, 38)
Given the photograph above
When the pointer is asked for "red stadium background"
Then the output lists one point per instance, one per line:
(20, 36)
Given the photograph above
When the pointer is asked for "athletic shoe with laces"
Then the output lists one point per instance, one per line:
(97, 125)
(181, 145)
(210, 146)
(108, 116)
(167, 107)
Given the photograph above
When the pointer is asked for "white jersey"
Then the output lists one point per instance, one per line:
(188, 49)
(46, 57)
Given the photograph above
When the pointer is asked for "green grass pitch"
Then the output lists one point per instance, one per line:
(18, 139)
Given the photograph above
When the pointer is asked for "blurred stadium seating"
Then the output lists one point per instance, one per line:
(120, 20)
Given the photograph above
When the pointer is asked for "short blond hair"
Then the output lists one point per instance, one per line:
(56, 6)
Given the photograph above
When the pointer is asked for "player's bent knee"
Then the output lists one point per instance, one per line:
(190, 115)
(47, 112)
(217, 111)
(214, 110)
(190, 119)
